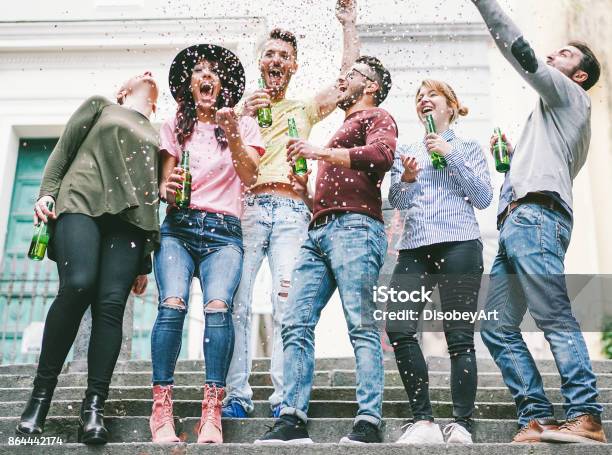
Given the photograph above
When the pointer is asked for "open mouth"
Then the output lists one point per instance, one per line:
(275, 75)
(427, 110)
(207, 89)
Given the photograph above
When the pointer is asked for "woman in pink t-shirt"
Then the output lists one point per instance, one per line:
(204, 240)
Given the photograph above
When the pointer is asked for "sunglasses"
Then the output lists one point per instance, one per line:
(350, 75)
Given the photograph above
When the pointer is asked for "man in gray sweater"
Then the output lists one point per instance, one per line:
(535, 224)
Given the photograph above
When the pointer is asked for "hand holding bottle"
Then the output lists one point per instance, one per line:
(259, 99)
(501, 150)
(173, 184)
(493, 141)
(435, 143)
(297, 148)
(437, 159)
(42, 211)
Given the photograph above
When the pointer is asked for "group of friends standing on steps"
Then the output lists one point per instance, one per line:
(110, 168)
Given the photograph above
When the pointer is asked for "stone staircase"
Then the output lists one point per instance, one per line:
(332, 410)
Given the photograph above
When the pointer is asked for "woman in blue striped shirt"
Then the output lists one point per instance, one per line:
(440, 245)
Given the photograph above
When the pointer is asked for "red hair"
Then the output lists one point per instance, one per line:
(447, 92)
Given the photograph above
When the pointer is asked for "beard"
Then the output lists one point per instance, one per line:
(350, 98)
(574, 70)
(567, 71)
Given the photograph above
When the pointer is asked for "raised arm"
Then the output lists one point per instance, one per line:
(346, 12)
(74, 134)
(551, 84)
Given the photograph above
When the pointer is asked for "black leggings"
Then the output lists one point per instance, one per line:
(97, 261)
(456, 267)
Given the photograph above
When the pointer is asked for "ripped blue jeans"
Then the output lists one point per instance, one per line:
(209, 246)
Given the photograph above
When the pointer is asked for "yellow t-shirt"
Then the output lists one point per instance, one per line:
(273, 165)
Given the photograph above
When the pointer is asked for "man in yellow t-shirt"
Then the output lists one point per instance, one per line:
(275, 219)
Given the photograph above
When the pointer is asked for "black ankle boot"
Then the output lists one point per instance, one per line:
(91, 421)
(34, 415)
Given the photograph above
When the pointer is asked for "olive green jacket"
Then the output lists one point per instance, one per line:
(106, 162)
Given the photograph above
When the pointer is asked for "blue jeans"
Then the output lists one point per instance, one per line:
(207, 245)
(347, 254)
(528, 275)
(275, 227)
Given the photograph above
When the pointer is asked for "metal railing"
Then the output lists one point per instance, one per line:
(27, 290)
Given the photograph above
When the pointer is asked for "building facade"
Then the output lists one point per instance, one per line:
(54, 55)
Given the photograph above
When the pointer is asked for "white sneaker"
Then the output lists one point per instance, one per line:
(421, 432)
(457, 434)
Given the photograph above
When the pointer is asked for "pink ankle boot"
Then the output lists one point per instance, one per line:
(162, 421)
(209, 431)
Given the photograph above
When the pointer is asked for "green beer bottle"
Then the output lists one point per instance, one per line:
(300, 167)
(500, 151)
(40, 239)
(264, 115)
(437, 160)
(183, 195)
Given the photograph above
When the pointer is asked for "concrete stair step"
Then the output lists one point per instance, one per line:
(321, 430)
(346, 378)
(192, 408)
(337, 378)
(316, 449)
(485, 365)
(332, 411)
(321, 378)
(259, 365)
(486, 394)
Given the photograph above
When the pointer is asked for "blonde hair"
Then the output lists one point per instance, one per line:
(447, 92)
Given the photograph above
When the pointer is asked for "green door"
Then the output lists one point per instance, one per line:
(27, 288)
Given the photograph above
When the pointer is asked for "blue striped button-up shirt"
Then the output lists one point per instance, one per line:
(439, 205)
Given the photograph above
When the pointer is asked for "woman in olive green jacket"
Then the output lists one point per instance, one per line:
(100, 194)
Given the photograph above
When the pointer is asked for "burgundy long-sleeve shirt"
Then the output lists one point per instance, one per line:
(371, 137)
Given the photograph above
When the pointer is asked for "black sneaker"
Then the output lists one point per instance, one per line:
(287, 429)
(363, 433)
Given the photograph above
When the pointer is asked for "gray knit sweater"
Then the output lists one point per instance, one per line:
(555, 139)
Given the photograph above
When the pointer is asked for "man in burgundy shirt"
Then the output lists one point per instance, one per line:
(345, 249)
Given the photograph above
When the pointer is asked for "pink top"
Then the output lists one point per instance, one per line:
(215, 185)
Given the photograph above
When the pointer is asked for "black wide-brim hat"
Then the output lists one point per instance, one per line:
(232, 80)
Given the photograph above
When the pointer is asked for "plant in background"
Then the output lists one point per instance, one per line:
(606, 338)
